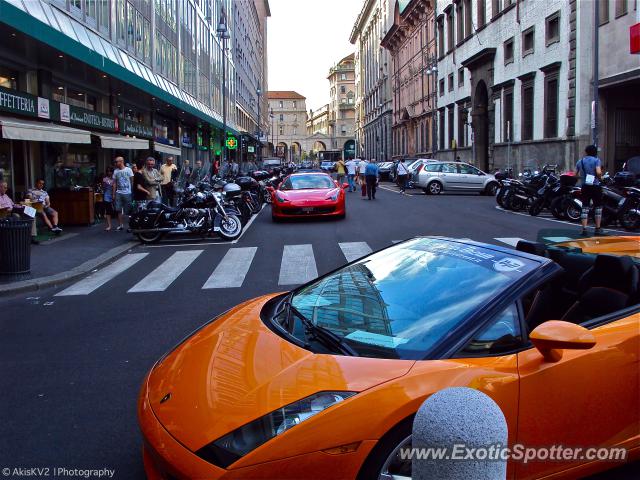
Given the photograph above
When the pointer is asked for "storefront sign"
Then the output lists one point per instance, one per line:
(43, 108)
(232, 143)
(65, 113)
(251, 149)
(91, 119)
(130, 127)
(18, 102)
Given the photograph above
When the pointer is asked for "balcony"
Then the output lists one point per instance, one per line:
(347, 106)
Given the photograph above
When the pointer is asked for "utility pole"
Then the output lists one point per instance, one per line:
(259, 153)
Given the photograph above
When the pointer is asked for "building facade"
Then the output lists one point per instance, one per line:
(288, 112)
(374, 106)
(84, 81)
(249, 47)
(411, 42)
(515, 81)
(342, 107)
(619, 84)
(318, 139)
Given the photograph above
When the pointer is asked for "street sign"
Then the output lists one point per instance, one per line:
(232, 143)
(251, 149)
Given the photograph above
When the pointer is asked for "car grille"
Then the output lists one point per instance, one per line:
(308, 210)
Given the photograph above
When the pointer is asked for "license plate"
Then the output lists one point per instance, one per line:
(307, 209)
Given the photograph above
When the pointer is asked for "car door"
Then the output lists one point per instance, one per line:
(450, 176)
(587, 398)
(471, 177)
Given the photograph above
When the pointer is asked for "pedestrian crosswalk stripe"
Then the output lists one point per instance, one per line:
(99, 278)
(163, 276)
(513, 241)
(298, 265)
(354, 250)
(233, 268)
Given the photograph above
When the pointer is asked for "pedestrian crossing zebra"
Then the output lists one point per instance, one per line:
(297, 266)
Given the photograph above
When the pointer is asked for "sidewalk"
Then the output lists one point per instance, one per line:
(75, 252)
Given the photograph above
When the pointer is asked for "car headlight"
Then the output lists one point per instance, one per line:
(234, 445)
(280, 198)
(334, 196)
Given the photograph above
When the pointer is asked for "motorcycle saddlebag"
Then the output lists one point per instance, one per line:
(624, 179)
(568, 180)
(246, 183)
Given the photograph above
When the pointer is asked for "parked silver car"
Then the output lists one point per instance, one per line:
(436, 177)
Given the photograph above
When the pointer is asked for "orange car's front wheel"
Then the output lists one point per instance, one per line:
(384, 461)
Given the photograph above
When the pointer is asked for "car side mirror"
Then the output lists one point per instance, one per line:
(345, 185)
(553, 336)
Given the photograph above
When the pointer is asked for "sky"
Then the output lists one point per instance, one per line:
(305, 39)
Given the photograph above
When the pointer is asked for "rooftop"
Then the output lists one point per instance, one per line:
(284, 95)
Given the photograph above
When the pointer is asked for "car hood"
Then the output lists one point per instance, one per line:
(311, 194)
(236, 369)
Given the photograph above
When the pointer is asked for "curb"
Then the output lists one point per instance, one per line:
(51, 280)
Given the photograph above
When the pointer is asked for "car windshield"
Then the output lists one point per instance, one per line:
(403, 301)
(306, 182)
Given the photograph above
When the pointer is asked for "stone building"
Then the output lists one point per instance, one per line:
(342, 107)
(411, 43)
(374, 104)
(288, 128)
(515, 82)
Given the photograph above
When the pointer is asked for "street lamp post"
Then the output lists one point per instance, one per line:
(432, 71)
(222, 33)
(259, 155)
(273, 149)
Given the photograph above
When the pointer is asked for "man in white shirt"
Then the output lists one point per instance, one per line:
(362, 165)
(352, 166)
(402, 173)
(168, 172)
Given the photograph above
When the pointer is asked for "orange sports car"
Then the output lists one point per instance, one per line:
(323, 382)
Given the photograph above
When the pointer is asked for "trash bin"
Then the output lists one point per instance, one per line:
(15, 246)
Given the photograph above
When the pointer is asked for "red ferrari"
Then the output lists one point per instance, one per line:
(308, 195)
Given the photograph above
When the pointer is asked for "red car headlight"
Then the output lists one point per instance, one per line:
(280, 197)
(333, 195)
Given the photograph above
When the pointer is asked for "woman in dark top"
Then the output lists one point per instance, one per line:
(139, 192)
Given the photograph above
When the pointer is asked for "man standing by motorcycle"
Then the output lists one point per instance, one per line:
(589, 169)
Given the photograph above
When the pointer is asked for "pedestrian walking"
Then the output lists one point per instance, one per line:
(371, 174)
(351, 166)
(340, 171)
(123, 180)
(402, 173)
(168, 172)
(107, 197)
(589, 170)
(362, 165)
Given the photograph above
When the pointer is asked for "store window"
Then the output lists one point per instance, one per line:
(70, 165)
(73, 96)
(8, 79)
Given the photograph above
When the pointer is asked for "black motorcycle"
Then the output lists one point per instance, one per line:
(202, 211)
(560, 196)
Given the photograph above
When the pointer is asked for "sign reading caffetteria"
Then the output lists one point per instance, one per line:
(130, 127)
(89, 118)
(18, 102)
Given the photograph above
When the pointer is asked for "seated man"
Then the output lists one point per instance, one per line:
(8, 207)
(49, 215)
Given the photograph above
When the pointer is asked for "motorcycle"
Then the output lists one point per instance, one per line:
(519, 194)
(201, 211)
(560, 196)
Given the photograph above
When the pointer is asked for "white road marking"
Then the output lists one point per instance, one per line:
(163, 276)
(354, 250)
(298, 265)
(513, 241)
(558, 239)
(233, 268)
(99, 278)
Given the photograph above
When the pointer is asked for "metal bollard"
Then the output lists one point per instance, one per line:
(455, 418)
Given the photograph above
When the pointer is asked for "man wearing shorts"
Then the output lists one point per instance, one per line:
(123, 178)
(49, 215)
(589, 169)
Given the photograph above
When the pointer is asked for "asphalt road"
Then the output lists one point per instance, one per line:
(71, 365)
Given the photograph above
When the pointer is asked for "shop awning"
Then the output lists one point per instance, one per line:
(121, 142)
(15, 129)
(162, 148)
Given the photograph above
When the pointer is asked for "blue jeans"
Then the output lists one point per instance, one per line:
(352, 182)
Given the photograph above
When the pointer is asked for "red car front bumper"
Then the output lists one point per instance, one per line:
(308, 209)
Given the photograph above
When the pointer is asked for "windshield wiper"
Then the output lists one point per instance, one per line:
(318, 332)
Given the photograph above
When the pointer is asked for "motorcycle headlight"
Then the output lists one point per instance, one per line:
(226, 450)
